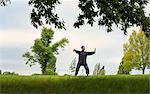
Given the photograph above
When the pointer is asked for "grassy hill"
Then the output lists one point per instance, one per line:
(111, 84)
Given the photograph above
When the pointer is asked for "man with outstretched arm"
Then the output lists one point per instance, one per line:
(82, 59)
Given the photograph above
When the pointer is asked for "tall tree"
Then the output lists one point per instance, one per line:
(44, 52)
(137, 52)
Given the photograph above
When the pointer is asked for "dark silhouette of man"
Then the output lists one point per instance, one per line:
(82, 59)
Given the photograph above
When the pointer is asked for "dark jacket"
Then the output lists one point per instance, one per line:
(83, 56)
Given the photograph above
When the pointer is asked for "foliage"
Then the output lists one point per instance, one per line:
(98, 70)
(137, 52)
(122, 70)
(122, 13)
(109, 84)
(73, 65)
(0, 71)
(35, 74)
(102, 71)
(45, 9)
(49, 72)
(67, 75)
(4, 2)
(10, 73)
(43, 51)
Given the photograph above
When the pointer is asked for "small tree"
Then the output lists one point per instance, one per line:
(73, 66)
(137, 52)
(98, 70)
(43, 51)
(102, 71)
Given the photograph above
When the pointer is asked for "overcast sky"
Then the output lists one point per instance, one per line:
(17, 36)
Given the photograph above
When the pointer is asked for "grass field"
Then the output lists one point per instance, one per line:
(111, 84)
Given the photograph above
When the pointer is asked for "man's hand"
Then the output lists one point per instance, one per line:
(73, 50)
(95, 50)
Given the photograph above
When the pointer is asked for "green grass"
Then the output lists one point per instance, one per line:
(111, 84)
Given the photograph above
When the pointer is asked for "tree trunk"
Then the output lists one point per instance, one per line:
(43, 67)
(43, 70)
(143, 70)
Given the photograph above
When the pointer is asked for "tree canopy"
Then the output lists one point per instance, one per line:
(137, 52)
(122, 13)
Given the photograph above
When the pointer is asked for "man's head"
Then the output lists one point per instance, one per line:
(82, 48)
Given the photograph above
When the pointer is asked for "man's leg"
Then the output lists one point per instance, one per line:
(87, 69)
(77, 68)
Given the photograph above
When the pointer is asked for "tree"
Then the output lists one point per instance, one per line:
(102, 71)
(122, 70)
(137, 52)
(98, 70)
(73, 65)
(44, 52)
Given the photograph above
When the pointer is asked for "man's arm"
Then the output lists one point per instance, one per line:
(91, 53)
(76, 51)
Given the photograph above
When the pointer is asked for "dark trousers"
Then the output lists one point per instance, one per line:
(85, 66)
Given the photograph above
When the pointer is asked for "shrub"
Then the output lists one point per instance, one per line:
(35, 74)
(50, 72)
(10, 73)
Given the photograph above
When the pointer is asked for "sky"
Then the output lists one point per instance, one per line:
(17, 35)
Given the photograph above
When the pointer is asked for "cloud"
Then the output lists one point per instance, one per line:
(17, 37)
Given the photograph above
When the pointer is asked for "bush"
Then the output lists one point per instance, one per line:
(67, 75)
(10, 73)
(50, 72)
(35, 74)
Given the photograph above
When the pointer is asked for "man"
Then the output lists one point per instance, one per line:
(82, 59)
